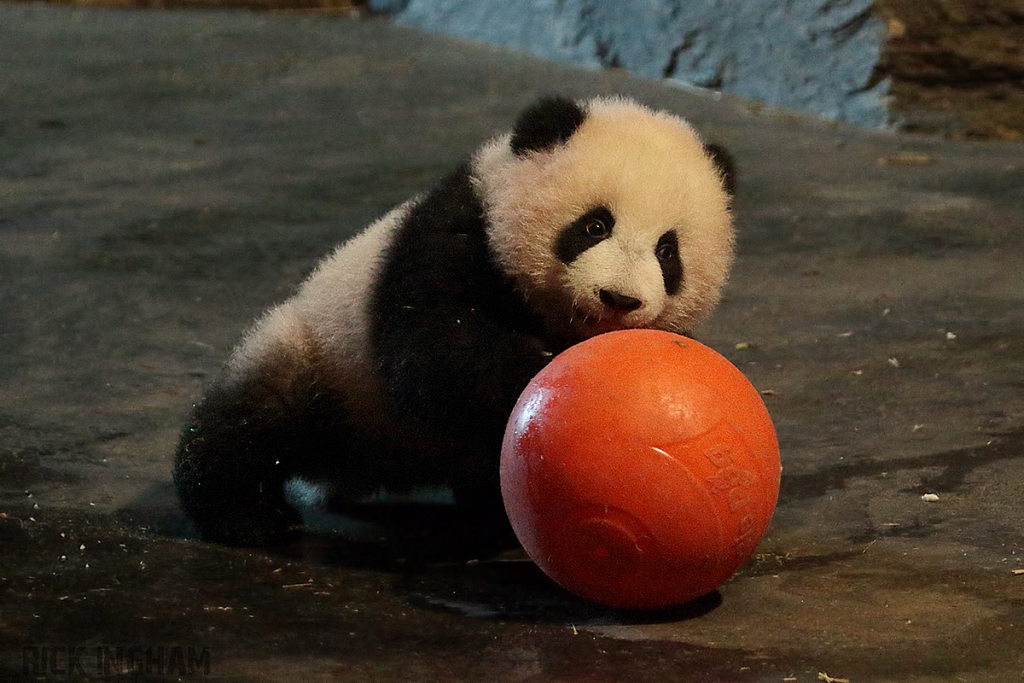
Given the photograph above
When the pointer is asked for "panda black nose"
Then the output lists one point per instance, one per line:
(619, 302)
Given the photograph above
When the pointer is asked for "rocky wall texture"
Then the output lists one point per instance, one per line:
(956, 66)
(813, 55)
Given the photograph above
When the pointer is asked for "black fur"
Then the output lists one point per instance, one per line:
(667, 252)
(726, 166)
(452, 338)
(248, 436)
(542, 126)
(581, 235)
(240, 445)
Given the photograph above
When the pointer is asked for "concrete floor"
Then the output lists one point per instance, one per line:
(164, 177)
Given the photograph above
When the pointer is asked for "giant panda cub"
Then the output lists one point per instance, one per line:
(398, 362)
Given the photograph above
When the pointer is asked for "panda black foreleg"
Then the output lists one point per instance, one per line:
(462, 378)
(466, 380)
(236, 453)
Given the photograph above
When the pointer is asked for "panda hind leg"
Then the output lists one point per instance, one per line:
(251, 433)
(232, 462)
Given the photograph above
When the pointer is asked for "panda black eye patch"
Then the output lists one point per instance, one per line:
(591, 228)
(667, 252)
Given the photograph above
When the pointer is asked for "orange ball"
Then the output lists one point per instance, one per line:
(640, 469)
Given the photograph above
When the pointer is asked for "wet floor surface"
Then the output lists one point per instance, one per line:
(164, 177)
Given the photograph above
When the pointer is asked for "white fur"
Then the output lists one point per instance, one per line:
(626, 264)
(326, 325)
(654, 174)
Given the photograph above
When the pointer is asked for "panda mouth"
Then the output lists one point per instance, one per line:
(609, 325)
(607, 321)
(596, 311)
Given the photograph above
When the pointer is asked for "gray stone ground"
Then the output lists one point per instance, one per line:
(164, 177)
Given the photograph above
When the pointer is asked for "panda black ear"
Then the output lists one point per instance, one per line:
(549, 122)
(726, 166)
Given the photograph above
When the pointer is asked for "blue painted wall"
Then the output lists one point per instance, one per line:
(811, 55)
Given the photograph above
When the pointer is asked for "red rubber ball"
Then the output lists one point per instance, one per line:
(640, 469)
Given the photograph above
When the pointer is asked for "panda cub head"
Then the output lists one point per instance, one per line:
(608, 215)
